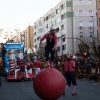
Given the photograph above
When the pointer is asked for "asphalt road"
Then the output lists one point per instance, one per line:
(86, 90)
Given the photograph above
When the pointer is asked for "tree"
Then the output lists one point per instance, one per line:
(90, 46)
(83, 45)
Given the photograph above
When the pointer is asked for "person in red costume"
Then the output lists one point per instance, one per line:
(69, 67)
(29, 66)
(39, 64)
(51, 40)
(21, 65)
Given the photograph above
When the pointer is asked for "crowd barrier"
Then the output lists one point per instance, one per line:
(81, 72)
(89, 73)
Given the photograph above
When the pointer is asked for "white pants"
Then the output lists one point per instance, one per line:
(30, 71)
(26, 73)
(37, 70)
(16, 70)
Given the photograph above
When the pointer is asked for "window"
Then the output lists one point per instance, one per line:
(64, 47)
(90, 2)
(90, 13)
(69, 14)
(81, 34)
(57, 11)
(54, 22)
(34, 33)
(39, 23)
(58, 48)
(68, 3)
(80, 2)
(62, 27)
(58, 20)
(64, 35)
(81, 23)
(62, 16)
(80, 12)
(42, 22)
(35, 40)
(65, 25)
(62, 6)
(90, 34)
(57, 30)
(47, 26)
(46, 18)
(38, 38)
(26, 39)
(49, 16)
(53, 14)
(35, 46)
(35, 26)
(90, 23)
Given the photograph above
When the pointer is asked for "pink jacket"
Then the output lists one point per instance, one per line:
(70, 64)
(46, 36)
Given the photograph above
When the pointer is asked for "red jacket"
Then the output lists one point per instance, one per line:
(20, 63)
(37, 64)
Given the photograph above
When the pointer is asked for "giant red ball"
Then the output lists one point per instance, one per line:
(49, 84)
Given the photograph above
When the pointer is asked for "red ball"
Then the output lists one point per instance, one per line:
(49, 84)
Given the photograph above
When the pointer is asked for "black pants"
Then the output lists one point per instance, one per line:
(0, 79)
(70, 77)
(22, 69)
(49, 51)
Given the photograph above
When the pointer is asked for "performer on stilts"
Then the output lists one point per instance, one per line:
(51, 40)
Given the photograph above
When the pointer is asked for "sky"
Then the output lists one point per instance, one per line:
(19, 13)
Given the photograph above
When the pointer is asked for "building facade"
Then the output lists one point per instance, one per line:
(98, 19)
(73, 19)
(27, 38)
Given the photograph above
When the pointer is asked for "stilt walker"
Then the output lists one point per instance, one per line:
(51, 40)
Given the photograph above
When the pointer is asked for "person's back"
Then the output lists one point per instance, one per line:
(69, 66)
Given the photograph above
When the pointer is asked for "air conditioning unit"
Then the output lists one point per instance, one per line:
(90, 27)
(80, 27)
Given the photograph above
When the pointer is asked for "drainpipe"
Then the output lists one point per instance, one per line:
(72, 9)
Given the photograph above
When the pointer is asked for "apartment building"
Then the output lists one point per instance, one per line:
(27, 38)
(98, 20)
(73, 19)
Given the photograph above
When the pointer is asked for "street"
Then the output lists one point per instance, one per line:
(17, 90)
